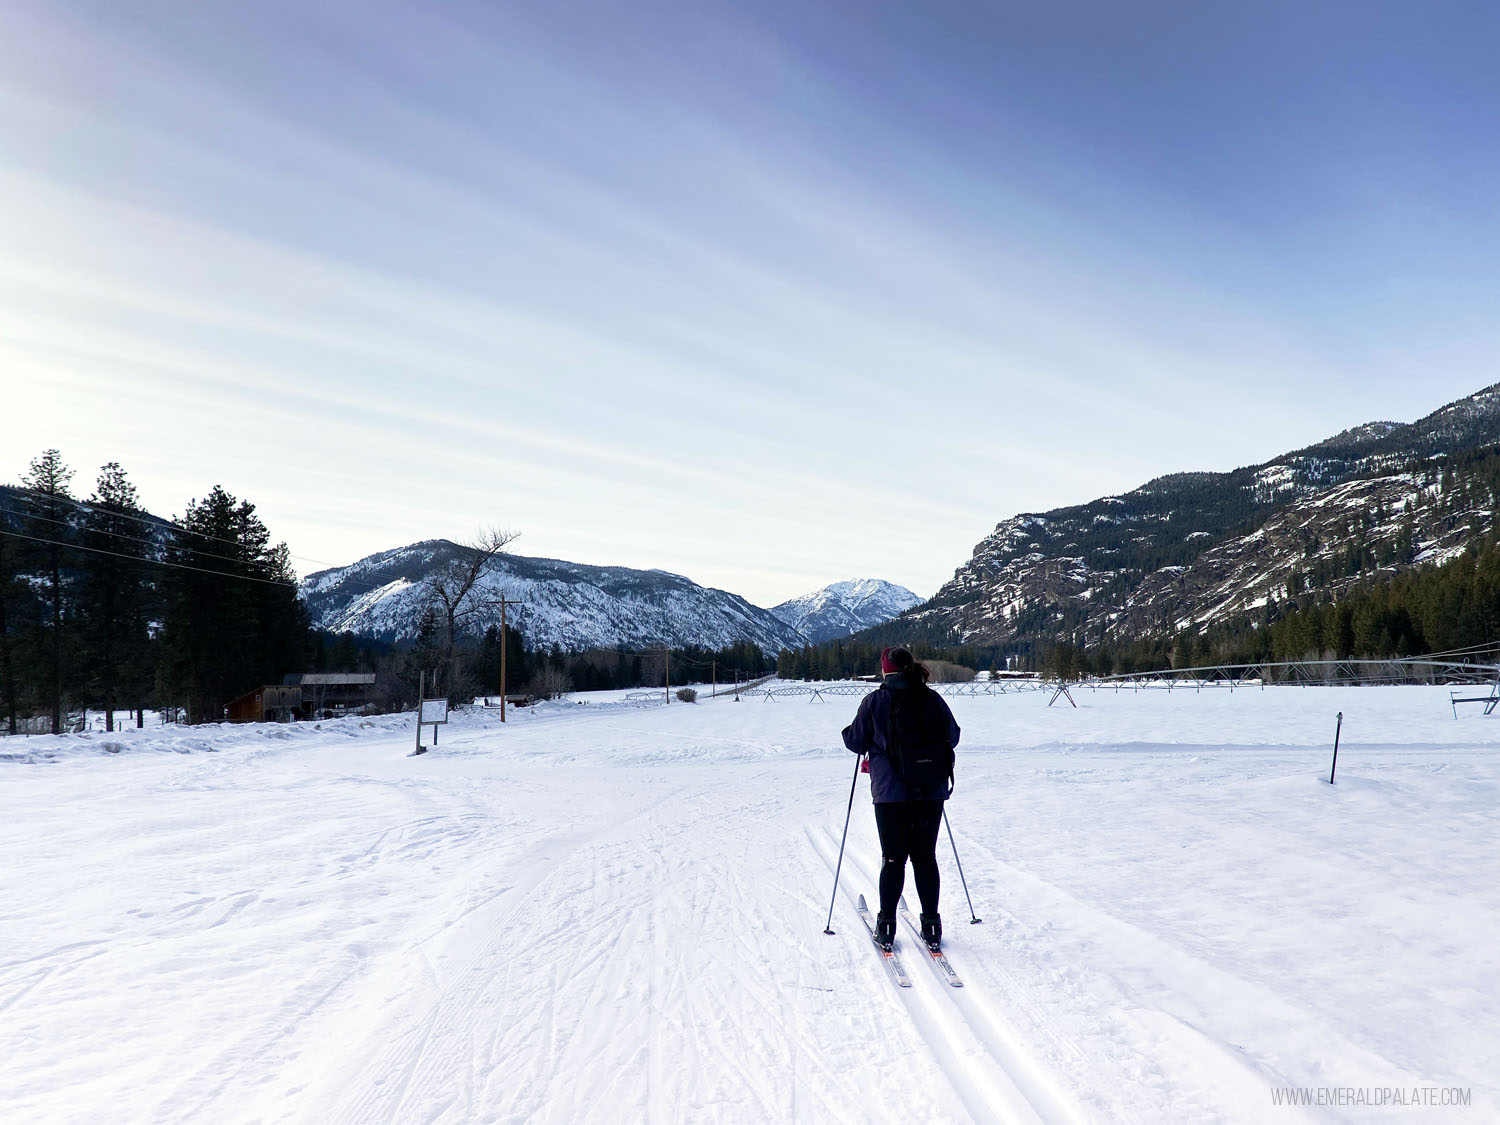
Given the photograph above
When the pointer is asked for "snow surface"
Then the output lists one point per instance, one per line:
(609, 911)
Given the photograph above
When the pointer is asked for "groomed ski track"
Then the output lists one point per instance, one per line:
(966, 1037)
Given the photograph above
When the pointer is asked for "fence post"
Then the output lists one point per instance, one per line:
(1336, 731)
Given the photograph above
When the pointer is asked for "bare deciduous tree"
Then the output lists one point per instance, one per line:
(549, 683)
(457, 597)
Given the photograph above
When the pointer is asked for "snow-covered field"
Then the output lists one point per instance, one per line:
(611, 912)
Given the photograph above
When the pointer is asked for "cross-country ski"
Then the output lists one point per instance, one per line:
(935, 955)
(891, 957)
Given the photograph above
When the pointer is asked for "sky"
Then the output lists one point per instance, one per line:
(769, 295)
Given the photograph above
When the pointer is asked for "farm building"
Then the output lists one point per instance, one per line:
(320, 695)
(273, 703)
(326, 695)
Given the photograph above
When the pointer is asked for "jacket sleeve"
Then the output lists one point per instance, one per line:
(859, 736)
(953, 731)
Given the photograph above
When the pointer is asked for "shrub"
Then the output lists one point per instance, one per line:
(687, 695)
(945, 672)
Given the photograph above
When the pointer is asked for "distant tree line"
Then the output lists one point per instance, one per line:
(103, 606)
(843, 659)
(548, 672)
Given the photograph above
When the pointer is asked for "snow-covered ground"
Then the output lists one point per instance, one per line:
(614, 912)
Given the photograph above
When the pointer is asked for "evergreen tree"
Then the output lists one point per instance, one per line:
(233, 618)
(48, 522)
(115, 594)
(18, 607)
(344, 656)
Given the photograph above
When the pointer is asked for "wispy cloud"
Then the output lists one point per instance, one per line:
(771, 297)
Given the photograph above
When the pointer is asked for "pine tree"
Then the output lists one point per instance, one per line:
(18, 605)
(115, 595)
(233, 618)
(48, 521)
(344, 656)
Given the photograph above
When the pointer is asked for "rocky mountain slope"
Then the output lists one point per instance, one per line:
(570, 605)
(843, 608)
(1189, 549)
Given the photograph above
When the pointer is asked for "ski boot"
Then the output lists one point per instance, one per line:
(932, 930)
(885, 931)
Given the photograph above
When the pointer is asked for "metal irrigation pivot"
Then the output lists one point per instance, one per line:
(1336, 731)
(828, 929)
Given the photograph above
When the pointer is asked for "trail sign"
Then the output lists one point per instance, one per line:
(430, 712)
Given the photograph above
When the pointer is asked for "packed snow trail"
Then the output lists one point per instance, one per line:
(612, 913)
(967, 1038)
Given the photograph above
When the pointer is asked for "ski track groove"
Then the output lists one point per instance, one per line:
(1205, 1065)
(970, 1040)
(608, 885)
(40, 975)
(453, 1013)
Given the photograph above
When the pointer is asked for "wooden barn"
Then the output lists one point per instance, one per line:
(326, 695)
(273, 703)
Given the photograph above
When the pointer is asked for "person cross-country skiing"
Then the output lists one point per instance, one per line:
(909, 734)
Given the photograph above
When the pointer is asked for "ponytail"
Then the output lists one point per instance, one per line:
(907, 665)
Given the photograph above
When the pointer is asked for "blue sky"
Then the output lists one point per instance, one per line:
(769, 295)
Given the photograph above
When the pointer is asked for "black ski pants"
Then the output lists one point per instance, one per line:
(908, 830)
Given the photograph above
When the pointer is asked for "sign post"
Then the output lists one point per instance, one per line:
(430, 712)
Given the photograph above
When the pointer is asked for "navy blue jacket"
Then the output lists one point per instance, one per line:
(867, 735)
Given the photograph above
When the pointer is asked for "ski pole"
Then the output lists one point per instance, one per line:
(973, 920)
(828, 929)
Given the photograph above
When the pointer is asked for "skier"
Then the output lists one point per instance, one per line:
(909, 734)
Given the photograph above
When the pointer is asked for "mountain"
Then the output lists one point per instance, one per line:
(1191, 549)
(842, 608)
(566, 604)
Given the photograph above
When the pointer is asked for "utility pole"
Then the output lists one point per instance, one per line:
(713, 676)
(666, 664)
(504, 644)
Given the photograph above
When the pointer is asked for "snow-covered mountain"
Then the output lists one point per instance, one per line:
(1191, 549)
(842, 608)
(570, 605)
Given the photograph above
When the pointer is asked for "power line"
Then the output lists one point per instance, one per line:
(159, 523)
(121, 535)
(68, 524)
(367, 586)
(150, 562)
(155, 521)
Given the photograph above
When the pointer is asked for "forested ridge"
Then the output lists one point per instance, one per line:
(1106, 572)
